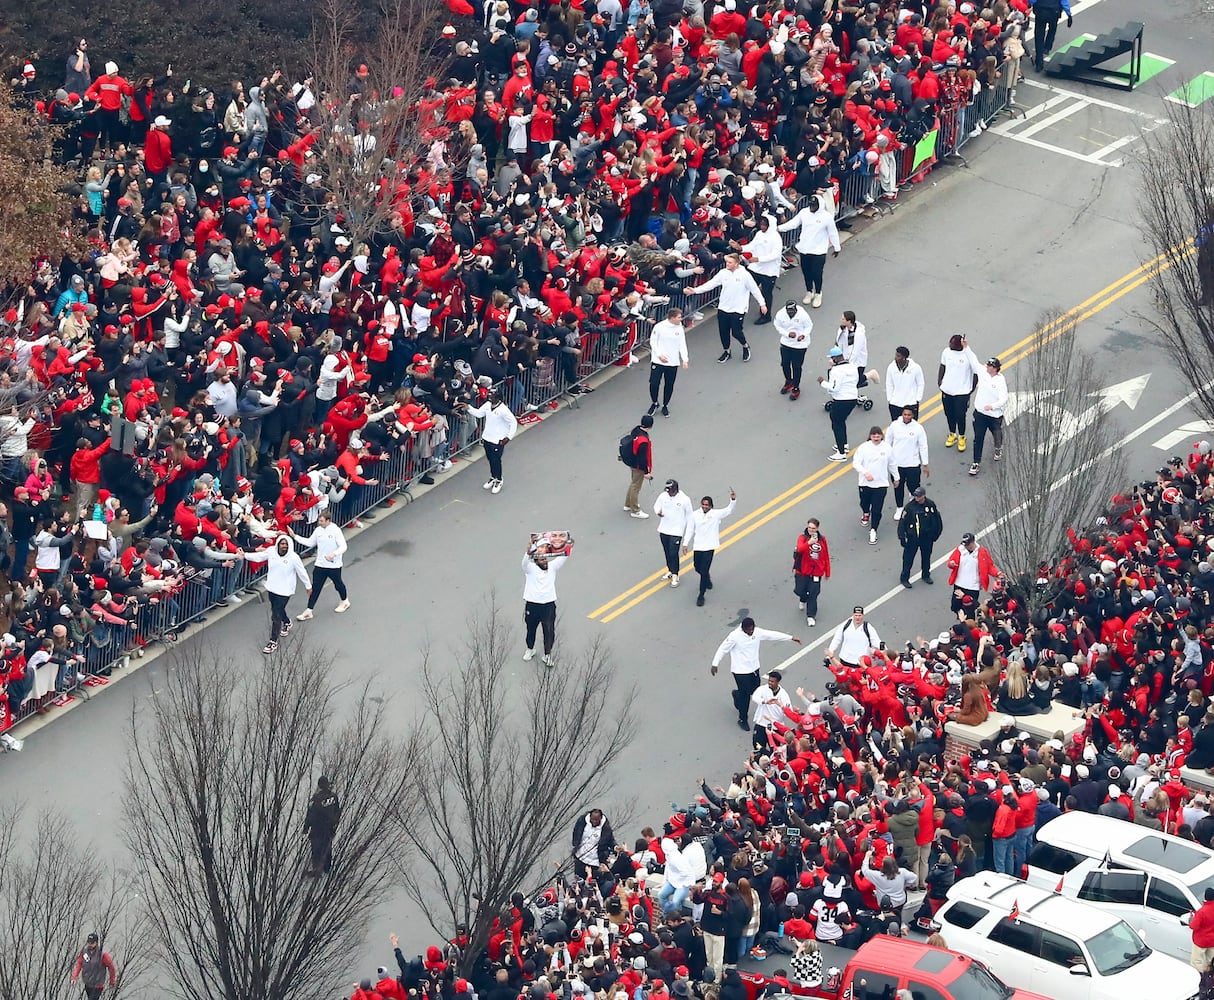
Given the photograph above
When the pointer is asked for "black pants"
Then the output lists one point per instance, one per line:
(808, 589)
(670, 548)
(93, 992)
(872, 502)
(730, 325)
(744, 685)
(767, 286)
(909, 478)
(812, 266)
(322, 852)
(493, 452)
(537, 616)
(320, 577)
(896, 411)
(959, 599)
(982, 423)
(278, 614)
(840, 409)
(1043, 37)
(924, 550)
(955, 408)
(762, 739)
(792, 361)
(701, 559)
(659, 374)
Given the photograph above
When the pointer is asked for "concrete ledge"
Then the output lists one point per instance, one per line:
(1044, 726)
(1197, 779)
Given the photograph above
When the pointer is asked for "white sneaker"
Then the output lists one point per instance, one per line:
(489, 485)
(811, 622)
(817, 300)
(872, 536)
(234, 599)
(548, 660)
(640, 515)
(304, 616)
(674, 580)
(667, 575)
(343, 607)
(446, 466)
(809, 297)
(697, 317)
(974, 134)
(627, 510)
(497, 486)
(897, 513)
(529, 655)
(837, 456)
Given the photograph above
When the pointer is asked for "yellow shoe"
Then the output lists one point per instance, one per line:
(950, 440)
(961, 442)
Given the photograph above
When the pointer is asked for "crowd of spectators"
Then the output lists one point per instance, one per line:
(221, 360)
(829, 833)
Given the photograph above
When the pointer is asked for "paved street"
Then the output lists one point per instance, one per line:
(984, 252)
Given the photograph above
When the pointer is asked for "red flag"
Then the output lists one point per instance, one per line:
(1058, 887)
(1015, 914)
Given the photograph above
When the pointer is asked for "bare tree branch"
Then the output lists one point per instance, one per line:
(504, 768)
(1060, 467)
(217, 787)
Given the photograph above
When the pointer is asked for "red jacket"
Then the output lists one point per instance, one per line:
(1202, 926)
(986, 567)
(86, 464)
(808, 562)
(157, 151)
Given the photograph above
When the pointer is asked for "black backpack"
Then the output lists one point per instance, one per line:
(628, 448)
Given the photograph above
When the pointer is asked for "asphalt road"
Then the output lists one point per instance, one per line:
(985, 252)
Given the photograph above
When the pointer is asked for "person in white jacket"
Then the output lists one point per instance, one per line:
(685, 866)
(816, 234)
(738, 287)
(702, 537)
(908, 441)
(840, 382)
(742, 647)
(875, 467)
(284, 572)
(904, 384)
(673, 506)
(794, 327)
(500, 427)
(990, 400)
(852, 340)
(330, 545)
(667, 351)
(764, 254)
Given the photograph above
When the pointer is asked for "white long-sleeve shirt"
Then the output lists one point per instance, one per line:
(674, 511)
(794, 330)
(842, 382)
(703, 532)
(904, 386)
(743, 649)
(908, 442)
(737, 287)
(765, 714)
(766, 250)
(668, 343)
(991, 395)
(816, 232)
(500, 423)
(539, 585)
(958, 376)
(851, 642)
(875, 459)
(330, 545)
(854, 344)
(283, 573)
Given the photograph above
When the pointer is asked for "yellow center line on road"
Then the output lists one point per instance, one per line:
(823, 477)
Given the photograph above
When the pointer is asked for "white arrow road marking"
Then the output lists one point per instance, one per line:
(1127, 392)
(1021, 402)
(893, 592)
(1173, 438)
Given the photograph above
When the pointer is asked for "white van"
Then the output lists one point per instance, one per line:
(1153, 881)
(1038, 940)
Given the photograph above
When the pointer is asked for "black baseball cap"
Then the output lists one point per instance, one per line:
(967, 538)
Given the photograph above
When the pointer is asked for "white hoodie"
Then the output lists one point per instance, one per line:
(282, 572)
(686, 867)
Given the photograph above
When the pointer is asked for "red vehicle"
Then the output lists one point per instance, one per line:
(885, 965)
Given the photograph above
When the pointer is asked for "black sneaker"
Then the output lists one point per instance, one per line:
(745, 352)
(653, 408)
(665, 411)
(700, 601)
(725, 356)
(427, 480)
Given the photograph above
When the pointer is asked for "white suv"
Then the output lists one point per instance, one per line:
(1152, 880)
(1041, 941)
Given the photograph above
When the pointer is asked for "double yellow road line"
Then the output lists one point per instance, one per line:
(734, 531)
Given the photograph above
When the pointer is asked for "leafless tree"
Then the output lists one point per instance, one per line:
(507, 758)
(1176, 207)
(1060, 466)
(218, 784)
(373, 126)
(54, 891)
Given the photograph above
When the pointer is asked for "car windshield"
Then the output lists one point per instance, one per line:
(1116, 949)
(1198, 889)
(976, 983)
